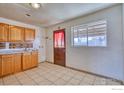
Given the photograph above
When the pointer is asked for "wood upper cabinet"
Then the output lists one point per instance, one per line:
(7, 64)
(16, 33)
(4, 28)
(17, 63)
(29, 34)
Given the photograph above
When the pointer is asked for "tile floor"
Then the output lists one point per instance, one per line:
(50, 74)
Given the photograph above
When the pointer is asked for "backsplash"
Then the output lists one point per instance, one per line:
(15, 45)
(2, 45)
(20, 45)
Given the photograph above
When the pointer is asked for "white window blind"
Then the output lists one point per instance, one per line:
(91, 34)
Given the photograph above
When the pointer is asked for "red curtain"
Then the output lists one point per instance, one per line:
(59, 40)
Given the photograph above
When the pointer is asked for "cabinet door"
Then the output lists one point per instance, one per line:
(4, 28)
(34, 59)
(17, 63)
(29, 34)
(0, 66)
(16, 33)
(26, 61)
(7, 64)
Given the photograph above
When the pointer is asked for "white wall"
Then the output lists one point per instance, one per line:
(106, 61)
(123, 30)
(39, 42)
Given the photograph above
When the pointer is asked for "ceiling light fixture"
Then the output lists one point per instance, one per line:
(35, 5)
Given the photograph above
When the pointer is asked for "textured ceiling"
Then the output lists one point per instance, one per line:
(50, 13)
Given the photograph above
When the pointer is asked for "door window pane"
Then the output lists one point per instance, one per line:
(59, 39)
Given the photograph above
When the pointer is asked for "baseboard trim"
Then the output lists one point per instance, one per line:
(41, 62)
(49, 62)
(113, 79)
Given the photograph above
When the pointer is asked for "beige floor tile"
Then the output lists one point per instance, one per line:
(81, 73)
(70, 74)
(51, 74)
(60, 82)
(46, 82)
(22, 77)
(9, 79)
(74, 81)
(64, 71)
(42, 73)
(35, 76)
(46, 75)
(99, 81)
(31, 73)
(66, 77)
(73, 71)
(24, 80)
(87, 81)
(34, 69)
(89, 76)
(1, 81)
(20, 74)
(12, 83)
(39, 79)
(9, 76)
(59, 75)
(27, 82)
(110, 82)
(52, 78)
(79, 77)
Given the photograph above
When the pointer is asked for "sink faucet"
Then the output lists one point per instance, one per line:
(25, 48)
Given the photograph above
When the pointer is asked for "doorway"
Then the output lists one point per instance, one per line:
(59, 47)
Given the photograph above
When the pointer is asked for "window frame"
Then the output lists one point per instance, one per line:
(87, 25)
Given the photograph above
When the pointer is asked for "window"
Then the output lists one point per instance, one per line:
(79, 36)
(92, 34)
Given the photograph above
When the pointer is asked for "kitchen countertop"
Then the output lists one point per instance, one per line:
(5, 52)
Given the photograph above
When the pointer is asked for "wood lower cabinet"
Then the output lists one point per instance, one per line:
(7, 64)
(16, 33)
(4, 28)
(29, 34)
(26, 60)
(13, 63)
(29, 60)
(17, 63)
(34, 59)
(10, 64)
